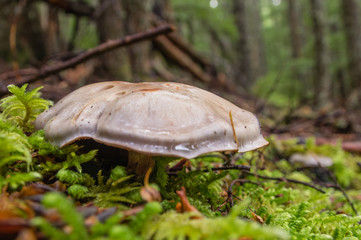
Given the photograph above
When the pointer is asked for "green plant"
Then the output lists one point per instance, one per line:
(22, 107)
(67, 211)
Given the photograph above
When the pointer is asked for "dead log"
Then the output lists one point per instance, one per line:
(182, 54)
(183, 46)
(182, 59)
(16, 78)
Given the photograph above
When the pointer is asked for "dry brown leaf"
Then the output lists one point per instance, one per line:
(256, 217)
(184, 205)
(150, 194)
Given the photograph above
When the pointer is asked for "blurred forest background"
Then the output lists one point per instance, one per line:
(286, 60)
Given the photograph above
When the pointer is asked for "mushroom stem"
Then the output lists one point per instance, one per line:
(140, 163)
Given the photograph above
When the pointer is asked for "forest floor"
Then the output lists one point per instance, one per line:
(304, 185)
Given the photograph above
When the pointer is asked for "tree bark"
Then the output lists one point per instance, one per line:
(257, 47)
(52, 32)
(245, 78)
(163, 9)
(322, 80)
(294, 21)
(110, 26)
(138, 19)
(119, 18)
(352, 23)
(28, 38)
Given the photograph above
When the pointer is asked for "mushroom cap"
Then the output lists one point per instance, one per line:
(154, 118)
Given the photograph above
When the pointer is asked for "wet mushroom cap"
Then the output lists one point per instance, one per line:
(154, 118)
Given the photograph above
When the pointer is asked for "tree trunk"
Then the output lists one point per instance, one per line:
(258, 53)
(52, 32)
(294, 21)
(352, 23)
(163, 9)
(28, 38)
(110, 26)
(322, 80)
(138, 20)
(245, 78)
(118, 19)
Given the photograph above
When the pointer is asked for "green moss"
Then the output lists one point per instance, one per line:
(267, 210)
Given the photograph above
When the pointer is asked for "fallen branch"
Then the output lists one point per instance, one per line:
(232, 167)
(282, 179)
(101, 49)
(337, 186)
(173, 171)
(173, 47)
(77, 8)
(230, 194)
(182, 59)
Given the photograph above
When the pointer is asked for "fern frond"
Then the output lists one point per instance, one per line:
(22, 107)
(161, 176)
(74, 160)
(78, 191)
(117, 190)
(70, 177)
(13, 147)
(16, 180)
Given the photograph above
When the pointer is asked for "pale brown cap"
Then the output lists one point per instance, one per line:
(155, 118)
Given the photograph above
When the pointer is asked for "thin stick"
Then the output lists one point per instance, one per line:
(337, 186)
(232, 167)
(101, 49)
(282, 179)
(230, 195)
(229, 192)
(233, 129)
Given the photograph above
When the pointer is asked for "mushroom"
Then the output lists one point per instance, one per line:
(151, 118)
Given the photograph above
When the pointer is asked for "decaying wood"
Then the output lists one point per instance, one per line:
(180, 53)
(77, 8)
(182, 59)
(182, 45)
(17, 79)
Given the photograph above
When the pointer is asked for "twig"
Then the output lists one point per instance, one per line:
(337, 186)
(101, 49)
(172, 171)
(232, 167)
(282, 179)
(242, 181)
(230, 194)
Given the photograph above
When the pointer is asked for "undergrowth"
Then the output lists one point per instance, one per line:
(231, 204)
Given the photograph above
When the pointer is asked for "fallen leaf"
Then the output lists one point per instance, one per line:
(150, 194)
(184, 205)
(256, 217)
